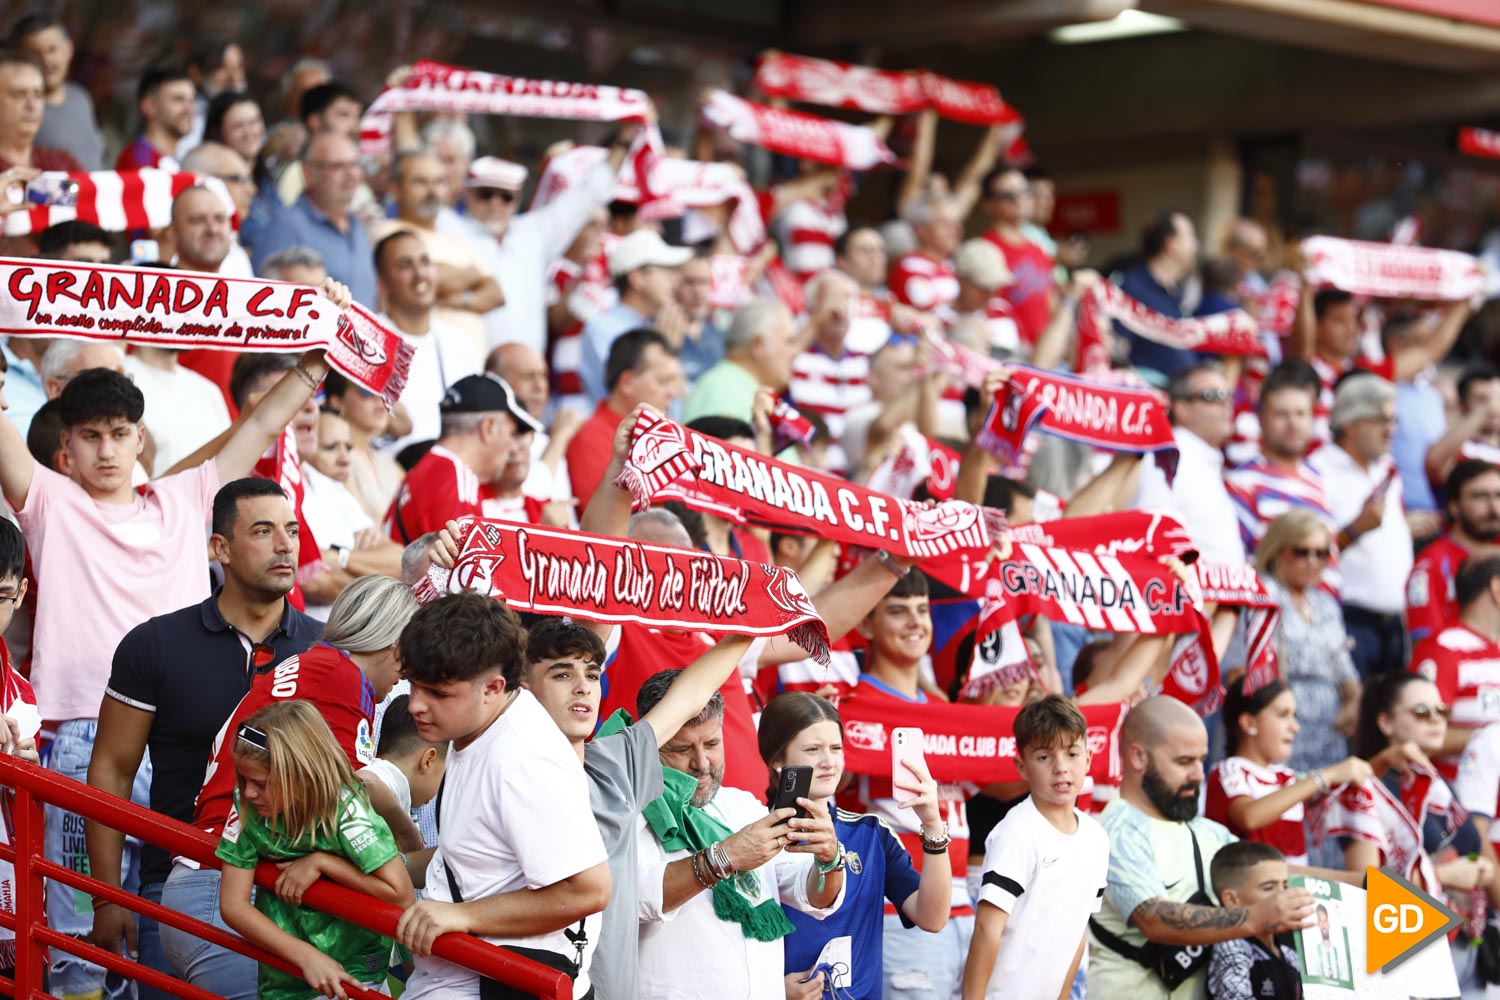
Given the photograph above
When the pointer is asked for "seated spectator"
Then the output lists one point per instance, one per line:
(644, 270)
(1262, 965)
(374, 477)
(758, 350)
(68, 123)
(504, 497)
(23, 82)
(1160, 850)
(701, 835)
(327, 107)
(164, 100)
(641, 369)
(465, 656)
(1472, 504)
(216, 160)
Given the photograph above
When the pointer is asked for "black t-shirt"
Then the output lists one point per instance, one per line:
(190, 668)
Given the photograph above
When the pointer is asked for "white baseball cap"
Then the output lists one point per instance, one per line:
(493, 172)
(644, 248)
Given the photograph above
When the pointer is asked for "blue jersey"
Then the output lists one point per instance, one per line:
(879, 869)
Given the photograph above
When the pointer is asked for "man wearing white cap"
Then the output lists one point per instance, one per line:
(518, 249)
(644, 270)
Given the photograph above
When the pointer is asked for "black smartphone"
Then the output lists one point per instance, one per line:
(795, 783)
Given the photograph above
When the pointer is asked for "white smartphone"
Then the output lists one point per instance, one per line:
(906, 745)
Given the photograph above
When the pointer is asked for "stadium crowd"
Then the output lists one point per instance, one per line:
(212, 561)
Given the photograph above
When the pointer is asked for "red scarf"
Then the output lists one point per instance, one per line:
(1116, 418)
(793, 133)
(1234, 333)
(119, 201)
(789, 426)
(803, 500)
(1241, 587)
(964, 743)
(1384, 270)
(879, 91)
(434, 86)
(1148, 534)
(184, 309)
(554, 571)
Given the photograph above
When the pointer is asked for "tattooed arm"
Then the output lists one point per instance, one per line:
(1166, 922)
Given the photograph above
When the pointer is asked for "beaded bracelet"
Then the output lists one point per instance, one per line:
(698, 871)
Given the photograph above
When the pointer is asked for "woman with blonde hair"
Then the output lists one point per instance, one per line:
(297, 803)
(1311, 644)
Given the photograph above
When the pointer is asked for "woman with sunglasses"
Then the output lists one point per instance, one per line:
(1312, 647)
(1409, 820)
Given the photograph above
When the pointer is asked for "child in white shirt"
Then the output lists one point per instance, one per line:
(406, 771)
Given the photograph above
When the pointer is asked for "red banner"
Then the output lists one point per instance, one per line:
(792, 133)
(879, 91)
(964, 743)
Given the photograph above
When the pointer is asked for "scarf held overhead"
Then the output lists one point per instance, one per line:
(1234, 333)
(188, 310)
(1384, 270)
(963, 743)
(555, 571)
(662, 451)
(793, 133)
(119, 201)
(434, 86)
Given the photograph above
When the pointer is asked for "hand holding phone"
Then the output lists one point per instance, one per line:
(792, 784)
(906, 745)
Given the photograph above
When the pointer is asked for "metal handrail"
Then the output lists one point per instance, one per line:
(34, 786)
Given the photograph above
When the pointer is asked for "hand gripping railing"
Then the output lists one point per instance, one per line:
(34, 786)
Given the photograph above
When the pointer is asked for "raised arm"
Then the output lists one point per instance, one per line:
(16, 464)
(1411, 359)
(919, 167)
(842, 604)
(695, 686)
(1146, 655)
(254, 435)
(966, 190)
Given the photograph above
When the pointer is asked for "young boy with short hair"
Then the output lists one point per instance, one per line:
(1045, 866)
(1244, 873)
(409, 770)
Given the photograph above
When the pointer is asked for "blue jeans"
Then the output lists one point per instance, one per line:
(922, 966)
(71, 911)
(195, 893)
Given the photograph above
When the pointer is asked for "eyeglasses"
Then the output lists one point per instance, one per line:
(1303, 552)
(13, 599)
(1428, 711)
(485, 194)
(1206, 396)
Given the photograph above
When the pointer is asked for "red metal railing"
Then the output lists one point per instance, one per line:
(34, 786)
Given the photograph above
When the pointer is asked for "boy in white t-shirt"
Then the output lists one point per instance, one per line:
(1045, 866)
(405, 775)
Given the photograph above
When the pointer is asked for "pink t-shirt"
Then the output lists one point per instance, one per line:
(103, 569)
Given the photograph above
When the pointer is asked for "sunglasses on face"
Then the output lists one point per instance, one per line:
(1303, 552)
(1011, 195)
(1207, 396)
(486, 194)
(1428, 711)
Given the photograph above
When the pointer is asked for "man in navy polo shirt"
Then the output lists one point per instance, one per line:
(1169, 251)
(177, 677)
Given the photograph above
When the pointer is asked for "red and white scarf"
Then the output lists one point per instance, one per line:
(793, 133)
(682, 183)
(434, 86)
(1234, 333)
(789, 426)
(1242, 587)
(880, 91)
(1116, 418)
(185, 309)
(1143, 533)
(18, 701)
(119, 201)
(964, 743)
(553, 571)
(1479, 142)
(801, 500)
(1369, 812)
(1388, 271)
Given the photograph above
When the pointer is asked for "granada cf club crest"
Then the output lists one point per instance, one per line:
(367, 350)
(787, 592)
(476, 564)
(865, 735)
(658, 445)
(941, 521)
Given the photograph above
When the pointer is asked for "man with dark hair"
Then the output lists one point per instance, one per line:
(177, 677)
(1160, 854)
(22, 100)
(321, 216)
(565, 665)
(642, 368)
(164, 99)
(860, 253)
(499, 873)
(1006, 200)
(644, 270)
(68, 122)
(330, 107)
(1463, 657)
(126, 556)
(703, 835)
(1279, 479)
(1169, 257)
(76, 240)
(1472, 504)
(482, 424)
(1476, 431)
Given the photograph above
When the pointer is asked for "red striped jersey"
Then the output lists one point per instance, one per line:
(807, 230)
(1234, 778)
(923, 283)
(1261, 492)
(830, 387)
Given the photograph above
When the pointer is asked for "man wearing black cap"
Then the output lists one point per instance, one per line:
(482, 423)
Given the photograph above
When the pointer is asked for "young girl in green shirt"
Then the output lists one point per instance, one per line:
(299, 805)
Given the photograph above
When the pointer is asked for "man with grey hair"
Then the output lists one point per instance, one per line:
(452, 143)
(299, 265)
(1363, 488)
(924, 278)
(758, 350)
(828, 378)
(466, 289)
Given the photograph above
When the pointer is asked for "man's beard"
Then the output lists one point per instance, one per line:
(1176, 807)
(1478, 529)
(704, 794)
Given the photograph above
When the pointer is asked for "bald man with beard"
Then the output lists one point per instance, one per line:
(1160, 850)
